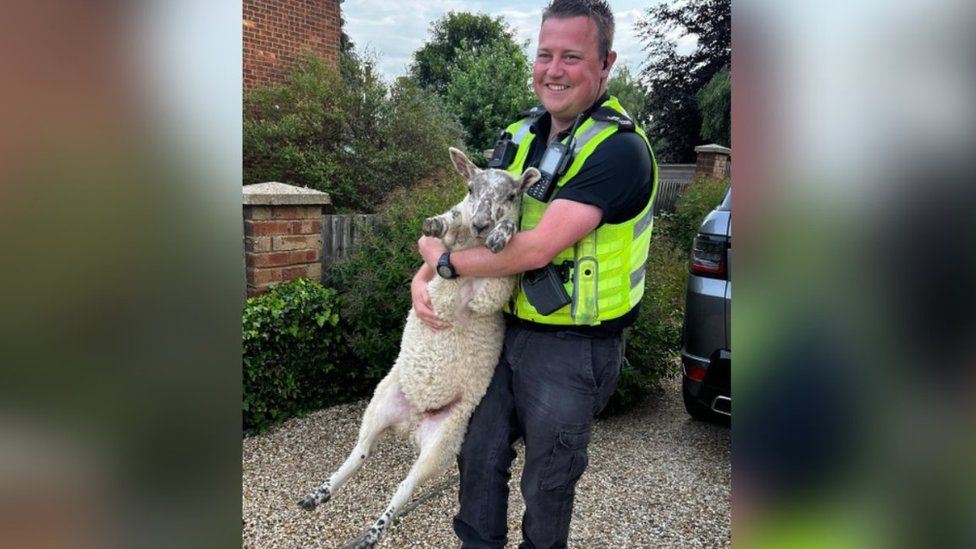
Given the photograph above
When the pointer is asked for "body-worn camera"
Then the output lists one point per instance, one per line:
(504, 152)
(544, 289)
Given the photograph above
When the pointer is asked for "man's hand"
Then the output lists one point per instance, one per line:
(431, 249)
(421, 300)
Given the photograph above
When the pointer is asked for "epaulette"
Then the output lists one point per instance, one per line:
(606, 114)
(534, 112)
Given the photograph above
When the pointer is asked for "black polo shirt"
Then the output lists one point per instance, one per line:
(617, 178)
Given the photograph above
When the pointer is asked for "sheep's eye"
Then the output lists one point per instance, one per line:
(470, 188)
(511, 197)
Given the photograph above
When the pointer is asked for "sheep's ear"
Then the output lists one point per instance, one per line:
(529, 177)
(465, 167)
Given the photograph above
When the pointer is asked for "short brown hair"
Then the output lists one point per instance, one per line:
(597, 10)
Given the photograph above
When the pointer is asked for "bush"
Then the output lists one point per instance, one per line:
(290, 338)
(654, 341)
(374, 282)
(352, 136)
(699, 197)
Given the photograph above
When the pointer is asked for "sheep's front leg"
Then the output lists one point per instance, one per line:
(441, 434)
(500, 235)
(388, 407)
(444, 226)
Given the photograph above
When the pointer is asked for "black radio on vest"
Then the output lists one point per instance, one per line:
(504, 152)
(554, 163)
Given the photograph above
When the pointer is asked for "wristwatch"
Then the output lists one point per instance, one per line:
(444, 267)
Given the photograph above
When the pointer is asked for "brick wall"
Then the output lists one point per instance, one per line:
(277, 32)
(281, 243)
(713, 161)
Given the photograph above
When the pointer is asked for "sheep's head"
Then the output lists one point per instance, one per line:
(493, 195)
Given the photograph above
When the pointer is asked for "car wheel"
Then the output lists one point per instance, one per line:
(696, 409)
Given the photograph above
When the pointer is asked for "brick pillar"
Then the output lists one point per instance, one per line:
(713, 161)
(282, 234)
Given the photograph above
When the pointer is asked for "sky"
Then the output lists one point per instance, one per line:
(394, 30)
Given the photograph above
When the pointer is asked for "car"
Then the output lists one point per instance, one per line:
(706, 353)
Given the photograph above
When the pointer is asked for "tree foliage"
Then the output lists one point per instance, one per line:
(350, 135)
(487, 88)
(475, 64)
(450, 35)
(675, 80)
(715, 105)
(632, 94)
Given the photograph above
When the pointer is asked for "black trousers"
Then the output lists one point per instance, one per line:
(547, 388)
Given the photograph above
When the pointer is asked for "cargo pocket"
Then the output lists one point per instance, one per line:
(567, 461)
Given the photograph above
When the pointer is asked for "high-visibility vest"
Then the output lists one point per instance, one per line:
(606, 267)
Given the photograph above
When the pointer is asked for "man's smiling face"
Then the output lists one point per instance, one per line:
(569, 73)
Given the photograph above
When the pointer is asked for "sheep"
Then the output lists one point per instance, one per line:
(440, 377)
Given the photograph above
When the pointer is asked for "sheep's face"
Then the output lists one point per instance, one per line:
(493, 195)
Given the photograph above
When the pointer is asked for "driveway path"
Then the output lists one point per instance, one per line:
(656, 479)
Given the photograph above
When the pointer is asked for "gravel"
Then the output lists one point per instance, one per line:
(656, 478)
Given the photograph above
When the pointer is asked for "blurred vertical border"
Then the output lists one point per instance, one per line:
(122, 274)
(855, 262)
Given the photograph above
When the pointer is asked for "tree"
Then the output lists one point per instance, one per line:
(350, 135)
(475, 64)
(632, 94)
(675, 80)
(487, 88)
(715, 105)
(434, 62)
(346, 45)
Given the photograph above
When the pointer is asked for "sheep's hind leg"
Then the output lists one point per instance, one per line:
(440, 434)
(387, 408)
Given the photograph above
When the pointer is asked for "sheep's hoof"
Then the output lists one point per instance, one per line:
(312, 500)
(308, 503)
(433, 227)
(369, 540)
(496, 242)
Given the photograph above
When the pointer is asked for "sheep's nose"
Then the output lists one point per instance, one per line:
(480, 228)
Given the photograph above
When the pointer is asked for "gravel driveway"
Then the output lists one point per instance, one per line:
(656, 479)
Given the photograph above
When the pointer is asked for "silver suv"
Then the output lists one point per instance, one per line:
(706, 354)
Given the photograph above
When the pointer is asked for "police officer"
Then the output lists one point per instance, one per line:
(589, 231)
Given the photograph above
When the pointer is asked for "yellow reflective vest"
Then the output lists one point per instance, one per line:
(606, 267)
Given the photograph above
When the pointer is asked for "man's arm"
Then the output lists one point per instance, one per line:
(564, 223)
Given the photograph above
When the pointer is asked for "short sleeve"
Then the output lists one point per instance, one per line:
(617, 178)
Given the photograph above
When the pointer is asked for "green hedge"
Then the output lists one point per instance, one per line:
(699, 198)
(654, 342)
(352, 135)
(290, 338)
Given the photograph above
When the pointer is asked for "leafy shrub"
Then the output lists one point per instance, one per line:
(374, 282)
(698, 198)
(290, 337)
(654, 341)
(351, 135)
